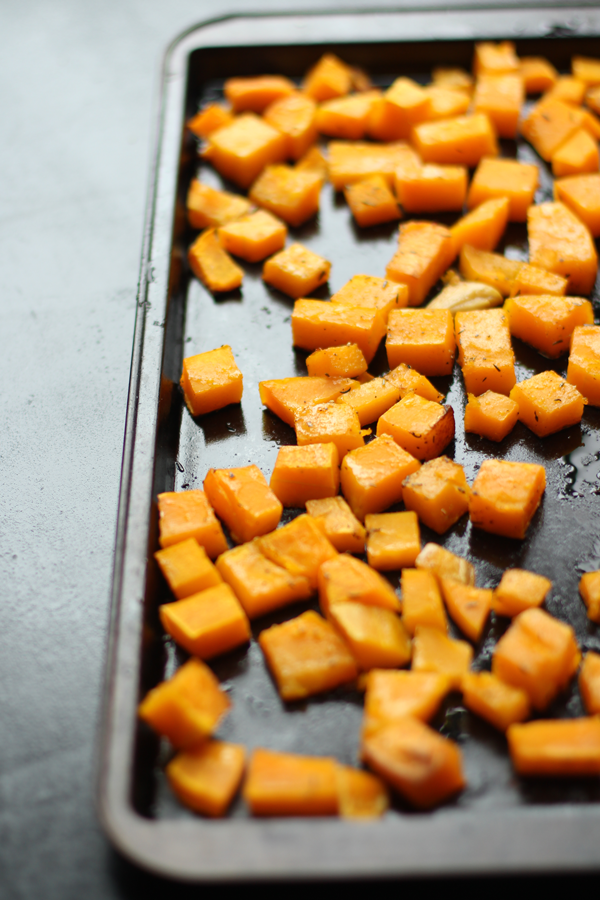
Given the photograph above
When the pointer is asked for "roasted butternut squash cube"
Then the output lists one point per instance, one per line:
(445, 564)
(438, 493)
(376, 637)
(300, 547)
(393, 695)
(329, 77)
(324, 423)
(346, 117)
(422, 427)
(434, 651)
(485, 352)
(307, 472)
(256, 92)
(393, 539)
(294, 116)
(578, 155)
(586, 68)
(505, 496)
(260, 585)
(188, 514)
(187, 708)
(584, 362)
(212, 265)
(483, 226)
(547, 322)
(296, 271)
(431, 188)
(244, 501)
(206, 778)
(460, 140)
(453, 78)
(489, 268)
(314, 161)
(469, 606)
(421, 601)
(319, 323)
(447, 101)
(547, 403)
(351, 161)
(340, 524)
(361, 795)
(562, 244)
(287, 396)
(491, 415)
(240, 151)
(370, 400)
(589, 683)
(494, 700)
(284, 784)
(210, 208)
(306, 656)
(538, 654)
(533, 280)
(425, 251)
(519, 590)
(208, 623)
(290, 193)
(254, 237)
(495, 59)
(403, 105)
(408, 380)
(420, 764)
(589, 588)
(549, 124)
(210, 118)
(345, 579)
(509, 178)
(371, 201)
(334, 362)
(500, 97)
(211, 380)
(368, 291)
(422, 338)
(581, 193)
(372, 475)
(538, 74)
(566, 747)
(187, 568)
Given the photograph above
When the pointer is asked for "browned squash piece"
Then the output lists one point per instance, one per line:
(372, 475)
(287, 396)
(369, 291)
(422, 338)
(538, 654)
(494, 700)
(422, 427)
(253, 237)
(589, 588)
(403, 105)
(431, 188)
(290, 193)
(340, 524)
(500, 97)
(211, 380)
(255, 93)
(260, 585)
(533, 280)
(325, 423)
(489, 268)
(240, 151)
(188, 514)
(187, 708)
(394, 695)
(320, 323)
(376, 637)
(335, 362)
(438, 493)
(468, 606)
(242, 498)
(371, 201)
(346, 117)
(578, 155)
(344, 579)
(492, 416)
(329, 77)
(187, 568)
(581, 193)
(408, 380)
(425, 250)
(300, 547)
(538, 74)
(549, 124)
(361, 795)
(583, 369)
(212, 265)
(206, 778)
(208, 623)
(563, 748)
(589, 683)
(421, 601)
(210, 118)
(509, 178)
(547, 322)
(434, 651)
(485, 352)
(547, 403)
(445, 564)
(371, 400)
(296, 271)
(505, 496)
(308, 472)
(519, 590)
(294, 116)
(483, 226)
(393, 539)
(495, 59)
(462, 140)
(208, 207)
(306, 656)
(351, 161)
(284, 784)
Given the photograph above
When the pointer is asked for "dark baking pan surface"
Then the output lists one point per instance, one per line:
(500, 823)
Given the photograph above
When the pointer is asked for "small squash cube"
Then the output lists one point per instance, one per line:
(369, 291)
(324, 423)
(371, 201)
(187, 708)
(393, 695)
(209, 208)
(505, 496)
(308, 472)
(207, 777)
(320, 323)
(422, 338)
(589, 683)
(188, 514)
(208, 623)
(393, 539)
(340, 524)
(210, 118)
(346, 117)
(351, 161)
(562, 244)
(370, 400)
(403, 105)
(287, 396)
(421, 601)
(509, 178)
(256, 92)
(434, 651)
(408, 380)
(211, 380)
(361, 795)
(485, 352)
(549, 124)
(240, 151)
(372, 475)
(445, 564)
(243, 500)
(345, 579)
(468, 606)
(376, 637)
(494, 700)
(547, 322)
(533, 280)
(306, 656)
(431, 188)
(563, 748)
(501, 97)
(447, 101)
(290, 193)
(581, 193)
(422, 427)
(294, 116)
(300, 547)
(583, 369)
(425, 250)
(577, 156)
(537, 73)
(519, 590)
(547, 403)
(187, 568)
(589, 588)
(212, 265)
(329, 77)
(460, 140)
(495, 59)
(254, 237)
(296, 271)
(483, 227)
(491, 415)
(284, 784)
(334, 362)
(438, 493)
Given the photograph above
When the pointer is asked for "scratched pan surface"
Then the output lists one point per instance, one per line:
(500, 823)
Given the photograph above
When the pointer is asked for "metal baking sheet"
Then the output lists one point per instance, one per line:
(500, 823)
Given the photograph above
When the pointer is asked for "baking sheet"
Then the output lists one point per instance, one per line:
(500, 822)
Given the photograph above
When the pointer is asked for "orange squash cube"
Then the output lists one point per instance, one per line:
(394, 695)
(370, 400)
(434, 651)
(314, 161)
(211, 380)
(565, 747)
(290, 193)
(346, 117)
(284, 784)
(256, 92)
(408, 380)
(393, 539)
(208, 623)
(461, 140)
(188, 514)
(306, 656)
(422, 427)
(581, 193)
(537, 73)
(403, 105)
(519, 590)
(307, 472)
(538, 654)
(371, 201)
(325, 423)
(489, 268)
(583, 369)
(329, 77)
(361, 795)
(547, 322)
(372, 475)
(438, 493)
(549, 124)
(431, 188)
(562, 244)
(495, 59)
(300, 547)
(500, 97)
(376, 637)
(206, 778)
(187, 568)
(296, 271)
(589, 683)
(533, 280)
(260, 585)
(287, 396)
(586, 68)
(422, 338)
(453, 78)
(209, 208)
(188, 707)
(345, 579)
(243, 500)
(294, 116)
(320, 323)
(340, 524)
(425, 251)
(351, 161)
(547, 403)
(505, 495)
(589, 588)
(576, 156)
(240, 151)
(368, 291)
(485, 352)
(447, 101)
(210, 118)
(253, 237)
(483, 226)
(494, 700)
(509, 178)
(334, 362)
(468, 606)
(421, 601)
(212, 265)
(491, 415)
(445, 564)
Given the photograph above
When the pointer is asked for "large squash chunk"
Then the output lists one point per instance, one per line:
(296, 271)
(393, 539)
(581, 193)
(508, 178)
(207, 777)
(372, 475)
(292, 194)
(566, 747)
(422, 338)
(434, 651)
(589, 588)
(468, 606)
(485, 352)
(371, 201)
(560, 243)
(494, 700)
(501, 97)
(256, 92)
(394, 695)
(287, 396)
(340, 524)
(584, 362)
(187, 568)
(491, 415)
(351, 161)
(370, 400)
(462, 140)
(329, 423)
(319, 323)
(438, 493)
(345, 579)
(519, 590)
(240, 151)
(547, 322)
(208, 623)
(505, 496)
(376, 637)
(308, 472)
(425, 250)
(300, 547)
(294, 117)
(208, 207)
(422, 427)
(284, 784)
(243, 500)
(548, 403)
(188, 514)
(445, 564)
(253, 237)
(334, 362)
(421, 601)
(370, 291)
(211, 380)
(212, 265)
